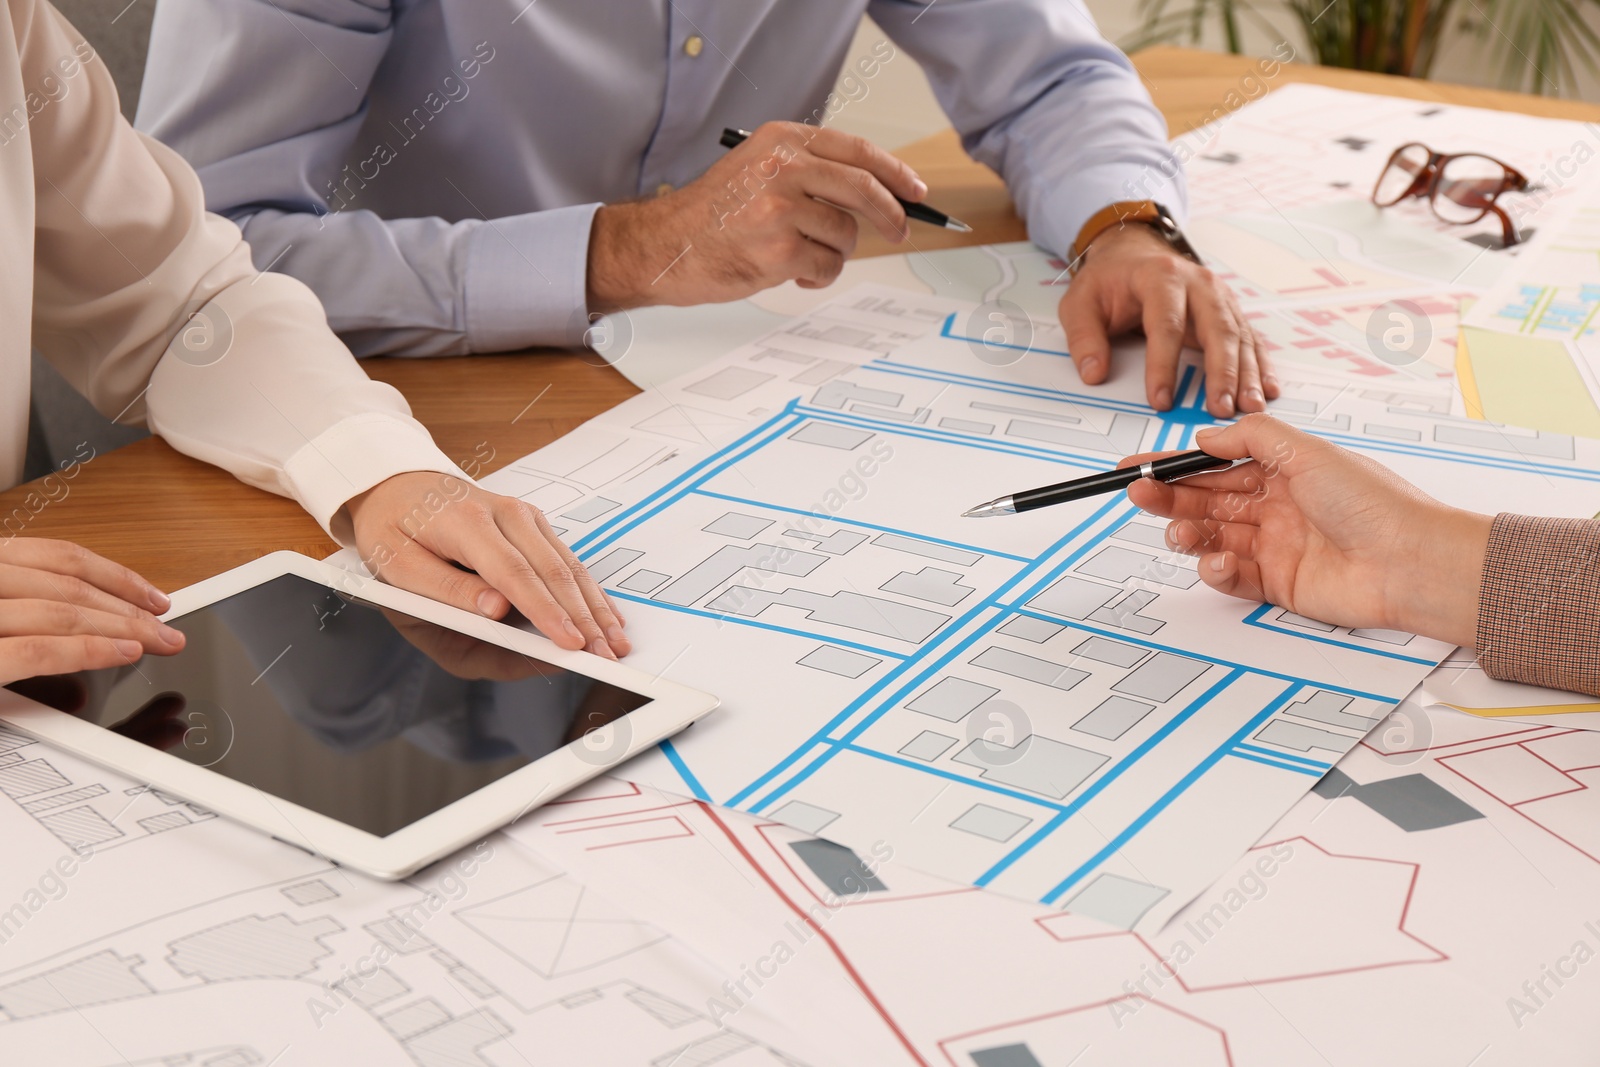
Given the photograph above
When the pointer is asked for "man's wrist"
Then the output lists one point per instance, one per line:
(615, 252)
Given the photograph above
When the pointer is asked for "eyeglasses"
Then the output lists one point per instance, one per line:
(1461, 189)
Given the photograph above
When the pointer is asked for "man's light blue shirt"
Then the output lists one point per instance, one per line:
(431, 167)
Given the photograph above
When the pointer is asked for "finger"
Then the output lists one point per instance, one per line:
(817, 266)
(20, 618)
(827, 225)
(1165, 316)
(537, 548)
(855, 189)
(1218, 334)
(1201, 537)
(31, 583)
(1251, 397)
(1274, 444)
(28, 657)
(1088, 330)
(64, 557)
(417, 568)
(1269, 375)
(1227, 573)
(600, 605)
(1183, 501)
(896, 176)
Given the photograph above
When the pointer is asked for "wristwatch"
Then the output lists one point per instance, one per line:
(1147, 212)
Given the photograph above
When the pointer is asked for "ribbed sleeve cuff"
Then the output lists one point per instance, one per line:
(1539, 605)
(527, 280)
(354, 455)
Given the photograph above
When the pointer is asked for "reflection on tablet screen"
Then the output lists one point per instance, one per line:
(364, 714)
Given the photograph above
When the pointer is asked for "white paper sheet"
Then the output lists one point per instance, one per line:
(137, 929)
(1416, 910)
(1048, 705)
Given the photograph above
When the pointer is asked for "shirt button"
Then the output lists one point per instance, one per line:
(694, 45)
(664, 188)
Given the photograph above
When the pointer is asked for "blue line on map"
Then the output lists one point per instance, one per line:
(1501, 463)
(940, 772)
(1110, 776)
(1284, 756)
(857, 522)
(695, 788)
(741, 620)
(1037, 392)
(1253, 758)
(1255, 619)
(1133, 828)
(910, 665)
(1126, 638)
(707, 468)
(946, 332)
(946, 437)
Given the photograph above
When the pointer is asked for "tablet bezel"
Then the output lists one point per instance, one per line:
(432, 837)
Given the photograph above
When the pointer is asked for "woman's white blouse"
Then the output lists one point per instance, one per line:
(111, 267)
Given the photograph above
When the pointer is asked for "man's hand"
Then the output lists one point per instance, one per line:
(64, 609)
(413, 529)
(1323, 532)
(1131, 277)
(775, 208)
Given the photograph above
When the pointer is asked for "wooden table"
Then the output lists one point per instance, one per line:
(177, 520)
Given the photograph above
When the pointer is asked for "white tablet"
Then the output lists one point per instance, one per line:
(373, 726)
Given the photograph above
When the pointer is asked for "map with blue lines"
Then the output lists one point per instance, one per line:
(1051, 704)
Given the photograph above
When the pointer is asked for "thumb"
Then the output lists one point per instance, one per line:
(1087, 339)
(1275, 445)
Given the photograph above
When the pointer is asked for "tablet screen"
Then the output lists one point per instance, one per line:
(362, 713)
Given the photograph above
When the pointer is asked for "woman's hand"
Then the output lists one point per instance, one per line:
(414, 529)
(63, 609)
(1323, 532)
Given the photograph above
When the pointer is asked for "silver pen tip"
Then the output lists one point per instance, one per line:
(1002, 506)
(958, 226)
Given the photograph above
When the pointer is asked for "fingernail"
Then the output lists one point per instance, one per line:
(1089, 369)
(571, 630)
(488, 601)
(1225, 402)
(1217, 562)
(601, 649)
(921, 187)
(130, 650)
(1163, 398)
(1255, 398)
(615, 635)
(159, 602)
(169, 635)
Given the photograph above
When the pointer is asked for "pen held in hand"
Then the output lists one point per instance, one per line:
(1166, 469)
(732, 138)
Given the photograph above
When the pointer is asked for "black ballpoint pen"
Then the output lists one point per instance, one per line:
(921, 212)
(1166, 469)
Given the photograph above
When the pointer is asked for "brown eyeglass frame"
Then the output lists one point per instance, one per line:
(1426, 184)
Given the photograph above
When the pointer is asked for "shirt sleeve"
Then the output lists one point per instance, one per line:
(1539, 605)
(274, 163)
(1039, 95)
(151, 308)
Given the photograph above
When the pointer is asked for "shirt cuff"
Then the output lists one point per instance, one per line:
(354, 455)
(527, 280)
(1539, 605)
(1069, 204)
